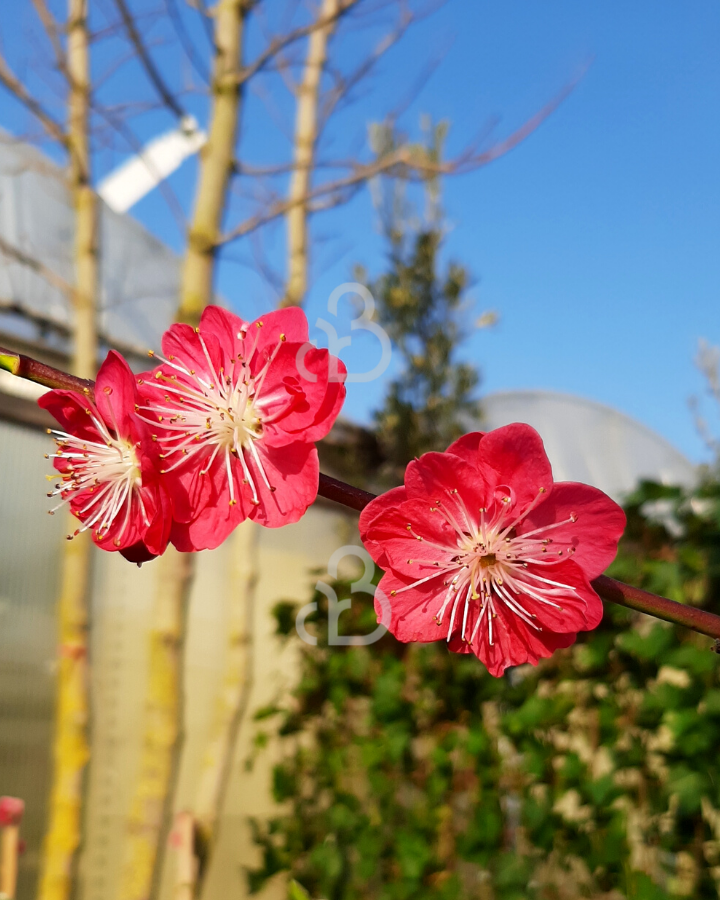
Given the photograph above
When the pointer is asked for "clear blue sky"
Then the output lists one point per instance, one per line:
(597, 241)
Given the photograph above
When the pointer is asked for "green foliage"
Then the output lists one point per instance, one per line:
(412, 773)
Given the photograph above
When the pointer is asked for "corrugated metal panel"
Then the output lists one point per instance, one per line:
(30, 543)
(589, 442)
(139, 275)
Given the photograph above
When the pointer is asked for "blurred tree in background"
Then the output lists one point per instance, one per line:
(423, 308)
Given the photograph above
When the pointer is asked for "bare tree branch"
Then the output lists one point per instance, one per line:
(21, 93)
(151, 70)
(306, 134)
(405, 162)
(186, 41)
(52, 30)
(343, 85)
(279, 43)
(18, 255)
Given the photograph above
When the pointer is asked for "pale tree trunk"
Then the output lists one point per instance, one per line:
(217, 159)
(306, 130)
(162, 737)
(235, 696)
(70, 748)
(151, 813)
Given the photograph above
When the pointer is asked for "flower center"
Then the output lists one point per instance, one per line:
(219, 415)
(490, 563)
(106, 478)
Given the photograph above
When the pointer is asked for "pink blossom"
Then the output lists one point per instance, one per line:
(106, 460)
(11, 811)
(236, 409)
(481, 549)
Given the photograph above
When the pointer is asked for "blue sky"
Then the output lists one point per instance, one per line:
(596, 241)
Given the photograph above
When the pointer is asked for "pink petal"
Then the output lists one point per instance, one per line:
(466, 447)
(292, 322)
(403, 552)
(225, 327)
(70, 409)
(389, 500)
(307, 409)
(116, 394)
(595, 535)
(183, 345)
(581, 610)
(513, 646)
(375, 510)
(294, 472)
(514, 456)
(448, 479)
(413, 611)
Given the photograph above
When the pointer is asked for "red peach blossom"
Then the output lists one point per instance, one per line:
(236, 409)
(481, 549)
(106, 460)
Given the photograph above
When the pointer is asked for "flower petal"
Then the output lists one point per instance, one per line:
(466, 447)
(412, 611)
(446, 479)
(294, 472)
(599, 524)
(73, 412)
(116, 394)
(514, 456)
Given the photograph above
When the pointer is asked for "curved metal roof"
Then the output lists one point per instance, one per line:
(587, 441)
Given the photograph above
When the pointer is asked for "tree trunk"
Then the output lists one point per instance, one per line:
(70, 749)
(151, 806)
(233, 702)
(217, 159)
(305, 140)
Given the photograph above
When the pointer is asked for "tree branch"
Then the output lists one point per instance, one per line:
(22, 95)
(280, 43)
(355, 498)
(20, 256)
(407, 163)
(151, 70)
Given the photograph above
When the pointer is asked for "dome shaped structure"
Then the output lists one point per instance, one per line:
(587, 441)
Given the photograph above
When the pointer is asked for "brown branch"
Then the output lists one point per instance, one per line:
(25, 259)
(22, 95)
(280, 43)
(146, 60)
(343, 85)
(405, 162)
(52, 30)
(355, 498)
(186, 41)
(216, 161)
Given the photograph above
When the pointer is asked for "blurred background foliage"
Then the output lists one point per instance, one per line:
(409, 772)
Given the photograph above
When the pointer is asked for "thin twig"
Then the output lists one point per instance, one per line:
(151, 70)
(22, 95)
(278, 44)
(355, 498)
(410, 163)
